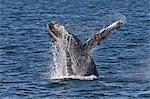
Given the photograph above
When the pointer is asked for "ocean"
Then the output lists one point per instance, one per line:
(26, 52)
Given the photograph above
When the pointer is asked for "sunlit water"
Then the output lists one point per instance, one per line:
(26, 52)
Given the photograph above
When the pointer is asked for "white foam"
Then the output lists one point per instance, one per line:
(91, 77)
(59, 68)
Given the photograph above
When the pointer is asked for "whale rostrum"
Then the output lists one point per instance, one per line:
(78, 60)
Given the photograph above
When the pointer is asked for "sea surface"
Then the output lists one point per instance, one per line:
(26, 56)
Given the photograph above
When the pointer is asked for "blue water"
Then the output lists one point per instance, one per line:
(123, 60)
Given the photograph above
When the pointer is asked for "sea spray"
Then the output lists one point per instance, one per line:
(118, 16)
(112, 17)
(59, 56)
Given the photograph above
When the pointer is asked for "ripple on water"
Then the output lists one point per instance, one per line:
(26, 53)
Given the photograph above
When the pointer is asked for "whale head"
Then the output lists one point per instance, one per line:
(56, 30)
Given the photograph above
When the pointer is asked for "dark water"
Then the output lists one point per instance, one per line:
(123, 60)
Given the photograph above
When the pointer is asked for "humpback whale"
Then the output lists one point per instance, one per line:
(77, 58)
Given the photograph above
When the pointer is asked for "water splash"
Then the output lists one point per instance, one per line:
(59, 68)
(91, 77)
(112, 17)
(118, 16)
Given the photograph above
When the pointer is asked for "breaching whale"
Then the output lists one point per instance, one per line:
(78, 60)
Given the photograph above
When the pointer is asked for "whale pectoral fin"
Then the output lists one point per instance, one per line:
(98, 37)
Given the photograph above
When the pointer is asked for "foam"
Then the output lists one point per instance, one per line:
(59, 69)
(91, 77)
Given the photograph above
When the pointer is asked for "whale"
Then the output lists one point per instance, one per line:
(77, 58)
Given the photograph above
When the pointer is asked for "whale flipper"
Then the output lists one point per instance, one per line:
(98, 37)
